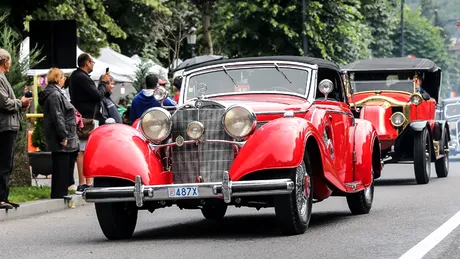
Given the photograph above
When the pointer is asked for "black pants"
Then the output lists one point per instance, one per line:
(7, 140)
(63, 166)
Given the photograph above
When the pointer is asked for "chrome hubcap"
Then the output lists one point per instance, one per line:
(303, 191)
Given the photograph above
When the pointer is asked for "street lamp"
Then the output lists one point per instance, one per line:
(191, 40)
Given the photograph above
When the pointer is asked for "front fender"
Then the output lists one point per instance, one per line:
(117, 150)
(418, 125)
(278, 144)
(367, 147)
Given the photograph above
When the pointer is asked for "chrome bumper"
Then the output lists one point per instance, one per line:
(226, 189)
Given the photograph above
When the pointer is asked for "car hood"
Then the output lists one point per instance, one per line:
(268, 103)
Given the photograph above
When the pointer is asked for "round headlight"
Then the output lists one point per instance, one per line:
(239, 121)
(195, 130)
(326, 86)
(416, 99)
(160, 93)
(155, 124)
(398, 119)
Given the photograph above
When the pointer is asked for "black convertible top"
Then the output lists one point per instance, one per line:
(392, 64)
(308, 60)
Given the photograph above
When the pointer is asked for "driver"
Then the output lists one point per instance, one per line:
(426, 96)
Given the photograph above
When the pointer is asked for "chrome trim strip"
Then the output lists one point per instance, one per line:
(249, 63)
(343, 113)
(226, 189)
(279, 112)
(188, 142)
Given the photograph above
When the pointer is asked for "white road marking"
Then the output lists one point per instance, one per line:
(424, 246)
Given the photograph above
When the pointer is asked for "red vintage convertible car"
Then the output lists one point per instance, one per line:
(255, 132)
(399, 96)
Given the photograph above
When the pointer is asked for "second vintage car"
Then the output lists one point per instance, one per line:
(399, 97)
(449, 110)
(251, 132)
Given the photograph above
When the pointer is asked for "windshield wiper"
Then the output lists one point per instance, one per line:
(279, 70)
(226, 72)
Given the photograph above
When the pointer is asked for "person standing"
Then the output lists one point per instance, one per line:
(146, 100)
(109, 108)
(86, 97)
(177, 83)
(60, 132)
(10, 124)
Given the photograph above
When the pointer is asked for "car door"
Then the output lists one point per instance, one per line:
(342, 130)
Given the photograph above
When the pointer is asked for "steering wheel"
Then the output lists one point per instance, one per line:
(279, 88)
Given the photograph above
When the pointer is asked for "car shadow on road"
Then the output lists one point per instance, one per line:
(230, 227)
(390, 182)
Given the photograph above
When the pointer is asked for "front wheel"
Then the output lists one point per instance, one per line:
(117, 220)
(293, 211)
(442, 164)
(361, 202)
(214, 211)
(422, 156)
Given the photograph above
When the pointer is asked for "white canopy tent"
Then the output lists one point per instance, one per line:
(122, 68)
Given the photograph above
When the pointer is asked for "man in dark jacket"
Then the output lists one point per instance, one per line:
(10, 121)
(145, 99)
(86, 97)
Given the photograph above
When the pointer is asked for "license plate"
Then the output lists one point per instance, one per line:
(179, 192)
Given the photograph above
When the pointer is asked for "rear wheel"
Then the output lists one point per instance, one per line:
(442, 165)
(422, 156)
(117, 220)
(214, 211)
(293, 211)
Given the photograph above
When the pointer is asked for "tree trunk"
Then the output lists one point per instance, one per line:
(21, 175)
(207, 12)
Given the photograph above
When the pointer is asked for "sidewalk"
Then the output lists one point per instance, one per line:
(33, 208)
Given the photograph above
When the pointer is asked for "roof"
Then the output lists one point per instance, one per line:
(301, 59)
(393, 64)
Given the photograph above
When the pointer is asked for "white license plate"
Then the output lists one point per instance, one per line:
(179, 192)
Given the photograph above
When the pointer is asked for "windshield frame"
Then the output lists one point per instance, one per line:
(309, 94)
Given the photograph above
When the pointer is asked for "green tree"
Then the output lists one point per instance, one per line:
(206, 8)
(11, 41)
(335, 29)
(380, 17)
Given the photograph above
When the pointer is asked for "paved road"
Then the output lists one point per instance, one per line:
(403, 215)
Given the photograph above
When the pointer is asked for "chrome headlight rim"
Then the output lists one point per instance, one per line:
(402, 121)
(201, 126)
(168, 127)
(414, 97)
(160, 93)
(252, 115)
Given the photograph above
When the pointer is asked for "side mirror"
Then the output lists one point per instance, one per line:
(160, 93)
(325, 87)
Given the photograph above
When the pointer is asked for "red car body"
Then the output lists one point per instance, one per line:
(341, 154)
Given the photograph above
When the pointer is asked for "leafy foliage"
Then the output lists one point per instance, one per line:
(141, 72)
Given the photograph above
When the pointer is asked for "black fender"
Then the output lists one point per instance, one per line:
(404, 143)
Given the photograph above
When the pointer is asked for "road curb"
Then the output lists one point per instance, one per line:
(33, 208)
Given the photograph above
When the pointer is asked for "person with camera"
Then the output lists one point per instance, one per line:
(86, 97)
(10, 124)
(60, 132)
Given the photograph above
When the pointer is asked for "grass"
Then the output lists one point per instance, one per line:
(32, 193)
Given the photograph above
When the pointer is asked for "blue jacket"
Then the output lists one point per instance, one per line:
(143, 102)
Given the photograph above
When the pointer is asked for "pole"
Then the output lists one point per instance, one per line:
(402, 28)
(304, 28)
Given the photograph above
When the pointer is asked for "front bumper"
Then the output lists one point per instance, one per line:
(225, 189)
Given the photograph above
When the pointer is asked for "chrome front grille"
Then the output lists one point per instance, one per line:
(208, 160)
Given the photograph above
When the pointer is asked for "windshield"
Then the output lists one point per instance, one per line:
(254, 79)
(389, 81)
(452, 110)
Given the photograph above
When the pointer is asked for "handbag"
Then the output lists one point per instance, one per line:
(89, 124)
